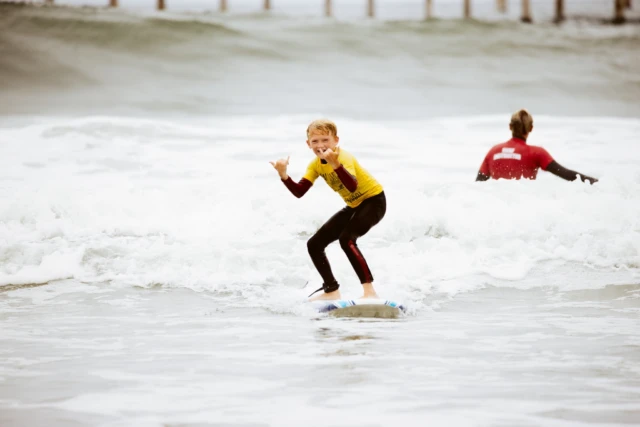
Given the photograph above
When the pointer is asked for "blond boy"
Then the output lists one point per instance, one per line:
(364, 196)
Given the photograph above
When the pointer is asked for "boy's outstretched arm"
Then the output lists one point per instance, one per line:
(568, 174)
(298, 189)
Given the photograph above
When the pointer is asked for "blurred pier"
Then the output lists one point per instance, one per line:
(618, 8)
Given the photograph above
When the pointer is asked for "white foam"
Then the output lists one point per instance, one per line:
(196, 205)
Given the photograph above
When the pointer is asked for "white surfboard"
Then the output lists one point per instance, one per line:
(366, 307)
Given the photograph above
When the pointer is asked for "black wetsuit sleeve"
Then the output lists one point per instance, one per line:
(482, 177)
(568, 174)
(298, 189)
(348, 180)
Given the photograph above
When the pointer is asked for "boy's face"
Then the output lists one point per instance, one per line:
(320, 142)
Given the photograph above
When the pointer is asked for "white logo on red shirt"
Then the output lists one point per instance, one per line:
(507, 153)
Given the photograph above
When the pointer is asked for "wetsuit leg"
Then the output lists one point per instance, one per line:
(367, 214)
(328, 233)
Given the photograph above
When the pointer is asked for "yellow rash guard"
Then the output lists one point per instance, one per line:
(367, 186)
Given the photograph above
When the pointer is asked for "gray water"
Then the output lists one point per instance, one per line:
(175, 357)
(61, 60)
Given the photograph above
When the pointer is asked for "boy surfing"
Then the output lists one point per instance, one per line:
(365, 205)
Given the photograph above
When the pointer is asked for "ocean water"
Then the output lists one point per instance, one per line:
(153, 269)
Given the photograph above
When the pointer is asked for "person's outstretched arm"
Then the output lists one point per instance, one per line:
(298, 189)
(568, 174)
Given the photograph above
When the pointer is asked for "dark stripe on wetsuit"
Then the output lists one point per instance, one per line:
(354, 254)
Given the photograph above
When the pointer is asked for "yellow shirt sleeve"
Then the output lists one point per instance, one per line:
(312, 172)
(348, 162)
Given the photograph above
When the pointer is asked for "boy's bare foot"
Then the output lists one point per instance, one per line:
(369, 292)
(335, 295)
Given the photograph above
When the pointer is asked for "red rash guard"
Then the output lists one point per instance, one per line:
(515, 159)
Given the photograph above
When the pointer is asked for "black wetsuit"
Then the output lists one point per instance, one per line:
(346, 226)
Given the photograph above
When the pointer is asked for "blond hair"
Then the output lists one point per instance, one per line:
(324, 126)
(521, 124)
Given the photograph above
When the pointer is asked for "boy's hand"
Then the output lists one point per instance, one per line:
(281, 167)
(331, 157)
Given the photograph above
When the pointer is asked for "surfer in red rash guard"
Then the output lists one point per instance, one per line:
(516, 159)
